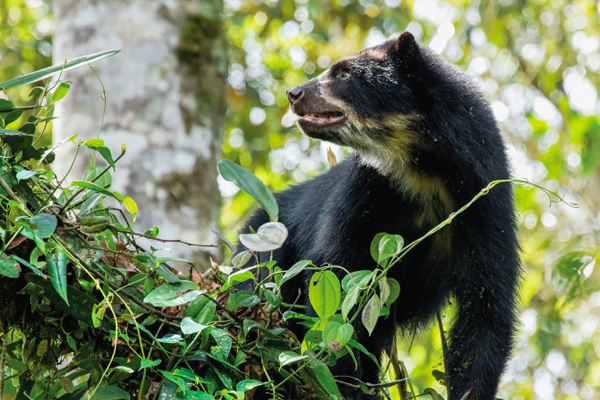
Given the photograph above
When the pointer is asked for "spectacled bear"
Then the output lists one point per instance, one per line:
(425, 142)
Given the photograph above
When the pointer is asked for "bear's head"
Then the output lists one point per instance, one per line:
(368, 101)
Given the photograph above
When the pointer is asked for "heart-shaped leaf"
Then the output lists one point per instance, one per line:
(268, 237)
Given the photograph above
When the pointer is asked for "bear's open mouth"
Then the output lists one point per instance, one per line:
(323, 119)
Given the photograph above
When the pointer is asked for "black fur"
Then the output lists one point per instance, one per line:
(451, 149)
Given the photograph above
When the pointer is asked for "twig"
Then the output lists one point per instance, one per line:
(10, 192)
(169, 240)
(2, 362)
(371, 385)
(445, 352)
(402, 387)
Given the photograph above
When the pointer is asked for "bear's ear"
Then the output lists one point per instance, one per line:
(406, 46)
(406, 51)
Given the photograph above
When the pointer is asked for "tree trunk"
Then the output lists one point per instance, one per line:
(166, 102)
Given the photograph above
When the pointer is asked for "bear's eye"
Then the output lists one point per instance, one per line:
(345, 75)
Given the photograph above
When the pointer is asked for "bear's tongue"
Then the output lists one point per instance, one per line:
(323, 118)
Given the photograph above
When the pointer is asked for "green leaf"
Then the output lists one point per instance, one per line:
(374, 248)
(174, 259)
(46, 225)
(250, 184)
(289, 357)
(168, 391)
(363, 349)
(189, 326)
(10, 268)
(268, 237)
(248, 384)
(238, 277)
(294, 270)
(223, 340)
(337, 335)
(167, 274)
(370, 314)
(146, 363)
(12, 132)
(167, 295)
(131, 206)
(390, 245)
(325, 379)
(190, 395)
(6, 105)
(12, 117)
(207, 313)
(249, 301)
(98, 145)
(394, 291)
(272, 298)
(123, 368)
(33, 268)
(433, 394)
(16, 364)
(36, 91)
(345, 334)
(55, 69)
(330, 331)
(350, 301)
(324, 293)
(61, 91)
(71, 342)
(362, 278)
(188, 374)
(109, 392)
(175, 379)
(385, 246)
(171, 338)
(57, 270)
(94, 187)
(26, 174)
(384, 290)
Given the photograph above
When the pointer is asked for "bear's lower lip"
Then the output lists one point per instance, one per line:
(323, 120)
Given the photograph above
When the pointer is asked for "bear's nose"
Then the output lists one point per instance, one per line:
(294, 94)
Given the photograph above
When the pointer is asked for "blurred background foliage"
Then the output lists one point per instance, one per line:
(538, 63)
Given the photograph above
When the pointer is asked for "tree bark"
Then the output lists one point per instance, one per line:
(166, 102)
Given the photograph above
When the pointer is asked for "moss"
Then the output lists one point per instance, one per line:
(202, 51)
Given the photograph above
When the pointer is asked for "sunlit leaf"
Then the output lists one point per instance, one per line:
(61, 91)
(189, 326)
(98, 145)
(131, 206)
(289, 357)
(23, 175)
(146, 363)
(250, 184)
(324, 293)
(94, 187)
(294, 270)
(57, 270)
(167, 295)
(248, 384)
(55, 69)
